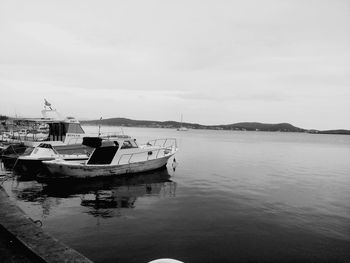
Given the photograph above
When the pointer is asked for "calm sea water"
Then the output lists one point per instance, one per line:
(234, 197)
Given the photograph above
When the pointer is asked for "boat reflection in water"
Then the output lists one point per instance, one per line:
(124, 196)
(104, 196)
(114, 192)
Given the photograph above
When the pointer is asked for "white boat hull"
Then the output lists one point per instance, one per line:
(33, 165)
(80, 170)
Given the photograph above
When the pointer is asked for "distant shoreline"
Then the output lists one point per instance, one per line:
(241, 126)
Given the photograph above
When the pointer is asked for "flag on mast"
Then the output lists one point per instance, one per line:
(47, 104)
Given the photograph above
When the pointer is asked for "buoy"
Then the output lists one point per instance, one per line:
(174, 164)
(165, 260)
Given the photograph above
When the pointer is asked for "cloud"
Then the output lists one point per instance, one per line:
(246, 58)
(222, 96)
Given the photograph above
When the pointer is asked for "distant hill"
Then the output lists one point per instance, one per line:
(256, 126)
(240, 126)
(142, 123)
(243, 126)
(345, 132)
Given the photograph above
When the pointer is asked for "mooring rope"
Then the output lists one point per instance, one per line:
(5, 177)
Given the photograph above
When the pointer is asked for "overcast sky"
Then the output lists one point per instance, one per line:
(217, 62)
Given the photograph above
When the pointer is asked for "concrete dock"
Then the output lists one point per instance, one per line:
(38, 246)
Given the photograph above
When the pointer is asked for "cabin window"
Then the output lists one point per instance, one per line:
(57, 132)
(103, 155)
(73, 128)
(129, 144)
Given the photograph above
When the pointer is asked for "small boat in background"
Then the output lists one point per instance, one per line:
(114, 156)
(181, 127)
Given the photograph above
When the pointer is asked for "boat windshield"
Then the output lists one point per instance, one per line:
(28, 151)
(103, 155)
(129, 144)
(73, 128)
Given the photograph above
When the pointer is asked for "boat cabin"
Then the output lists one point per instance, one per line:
(123, 149)
(52, 127)
(58, 130)
(62, 129)
(105, 150)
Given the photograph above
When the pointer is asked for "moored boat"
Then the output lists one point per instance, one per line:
(23, 135)
(51, 127)
(114, 156)
(31, 161)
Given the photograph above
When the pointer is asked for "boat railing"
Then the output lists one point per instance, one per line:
(108, 135)
(104, 135)
(17, 136)
(163, 142)
(147, 154)
(79, 139)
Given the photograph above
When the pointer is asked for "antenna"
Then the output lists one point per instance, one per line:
(99, 127)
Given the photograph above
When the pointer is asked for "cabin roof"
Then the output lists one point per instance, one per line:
(46, 120)
(97, 142)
